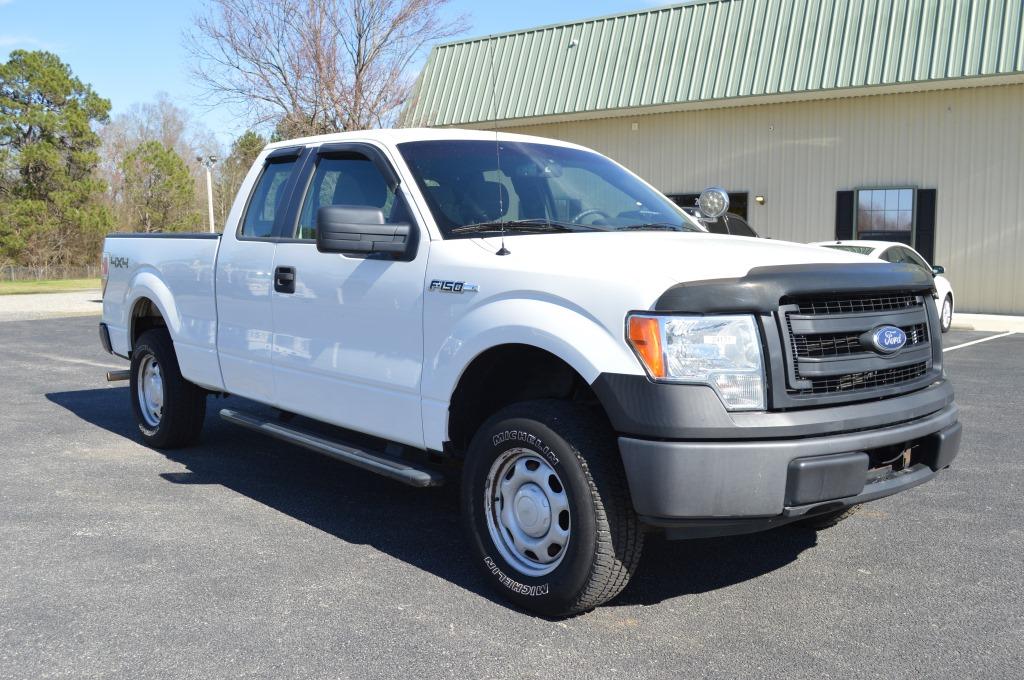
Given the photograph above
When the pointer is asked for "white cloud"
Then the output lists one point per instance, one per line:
(11, 41)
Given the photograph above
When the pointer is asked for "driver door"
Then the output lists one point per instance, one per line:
(348, 332)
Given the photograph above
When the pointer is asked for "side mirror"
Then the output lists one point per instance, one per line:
(938, 269)
(713, 202)
(359, 230)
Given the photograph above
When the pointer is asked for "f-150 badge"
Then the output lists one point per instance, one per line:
(453, 286)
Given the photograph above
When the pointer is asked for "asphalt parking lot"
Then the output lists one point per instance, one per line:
(244, 557)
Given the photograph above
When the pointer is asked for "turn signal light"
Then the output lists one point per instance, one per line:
(645, 336)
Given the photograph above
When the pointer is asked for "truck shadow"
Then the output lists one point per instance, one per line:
(418, 526)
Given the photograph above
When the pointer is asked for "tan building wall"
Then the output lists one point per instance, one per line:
(968, 144)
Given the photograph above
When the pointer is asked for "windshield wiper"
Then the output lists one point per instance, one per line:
(658, 226)
(535, 226)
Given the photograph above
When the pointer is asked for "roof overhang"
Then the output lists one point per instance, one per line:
(755, 100)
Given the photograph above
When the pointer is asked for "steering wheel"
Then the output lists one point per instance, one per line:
(589, 212)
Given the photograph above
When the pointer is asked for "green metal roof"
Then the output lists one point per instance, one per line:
(716, 50)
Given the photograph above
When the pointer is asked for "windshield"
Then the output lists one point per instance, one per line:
(860, 250)
(534, 186)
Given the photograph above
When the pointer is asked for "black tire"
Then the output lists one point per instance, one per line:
(184, 404)
(826, 520)
(604, 545)
(943, 324)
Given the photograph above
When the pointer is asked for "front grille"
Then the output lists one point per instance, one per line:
(866, 380)
(849, 304)
(844, 344)
(916, 334)
(826, 362)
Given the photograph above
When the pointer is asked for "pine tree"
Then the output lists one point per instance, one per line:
(159, 189)
(50, 209)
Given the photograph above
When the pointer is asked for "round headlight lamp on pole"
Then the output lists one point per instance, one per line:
(713, 202)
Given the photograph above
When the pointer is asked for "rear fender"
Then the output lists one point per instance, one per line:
(146, 284)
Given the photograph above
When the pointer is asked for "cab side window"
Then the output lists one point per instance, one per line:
(348, 179)
(910, 257)
(892, 255)
(267, 199)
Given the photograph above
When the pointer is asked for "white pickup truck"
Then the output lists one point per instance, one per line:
(532, 315)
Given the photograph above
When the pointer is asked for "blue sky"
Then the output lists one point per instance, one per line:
(129, 50)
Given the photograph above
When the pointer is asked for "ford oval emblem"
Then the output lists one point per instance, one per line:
(888, 339)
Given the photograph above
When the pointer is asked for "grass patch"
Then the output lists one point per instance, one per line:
(51, 286)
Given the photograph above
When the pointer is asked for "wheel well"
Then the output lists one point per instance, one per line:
(145, 315)
(505, 375)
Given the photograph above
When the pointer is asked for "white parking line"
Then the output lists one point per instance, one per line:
(69, 360)
(975, 342)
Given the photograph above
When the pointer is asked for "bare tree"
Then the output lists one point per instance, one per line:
(314, 66)
(162, 121)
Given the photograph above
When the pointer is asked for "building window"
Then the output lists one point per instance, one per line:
(734, 222)
(886, 214)
(737, 202)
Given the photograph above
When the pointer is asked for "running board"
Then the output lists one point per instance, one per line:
(373, 462)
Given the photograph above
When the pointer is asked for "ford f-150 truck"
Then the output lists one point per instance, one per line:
(533, 321)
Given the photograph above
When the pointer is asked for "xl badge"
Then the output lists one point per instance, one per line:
(888, 339)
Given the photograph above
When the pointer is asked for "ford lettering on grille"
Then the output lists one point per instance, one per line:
(888, 339)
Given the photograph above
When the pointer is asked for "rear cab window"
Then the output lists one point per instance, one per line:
(269, 198)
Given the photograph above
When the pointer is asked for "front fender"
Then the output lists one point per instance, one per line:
(582, 341)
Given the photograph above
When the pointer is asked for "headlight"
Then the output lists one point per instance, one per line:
(721, 351)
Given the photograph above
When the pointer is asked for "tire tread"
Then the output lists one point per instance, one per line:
(184, 402)
(619, 534)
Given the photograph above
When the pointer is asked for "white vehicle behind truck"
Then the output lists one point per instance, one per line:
(528, 319)
(900, 253)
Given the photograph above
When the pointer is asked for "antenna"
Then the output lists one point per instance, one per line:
(497, 145)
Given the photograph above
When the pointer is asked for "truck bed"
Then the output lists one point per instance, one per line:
(177, 272)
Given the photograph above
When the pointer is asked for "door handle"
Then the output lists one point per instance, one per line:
(284, 279)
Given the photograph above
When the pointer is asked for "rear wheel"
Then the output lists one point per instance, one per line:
(946, 317)
(169, 410)
(547, 508)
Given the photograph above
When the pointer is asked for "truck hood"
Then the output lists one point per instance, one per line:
(670, 257)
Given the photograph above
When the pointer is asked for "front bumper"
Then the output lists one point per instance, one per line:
(718, 487)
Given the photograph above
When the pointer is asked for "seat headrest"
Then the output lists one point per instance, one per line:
(361, 184)
(485, 201)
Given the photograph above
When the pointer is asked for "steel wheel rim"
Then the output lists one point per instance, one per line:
(947, 313)
(527, 511)
(150, 391)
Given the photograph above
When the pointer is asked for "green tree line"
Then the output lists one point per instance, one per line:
(70, 173)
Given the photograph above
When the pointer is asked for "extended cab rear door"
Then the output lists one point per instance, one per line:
(245, 265)
(348, 334)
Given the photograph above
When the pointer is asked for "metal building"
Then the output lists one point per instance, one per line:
(898, 119)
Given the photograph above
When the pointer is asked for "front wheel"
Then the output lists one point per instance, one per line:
(547, 508)
(946, 317)
(169, 409)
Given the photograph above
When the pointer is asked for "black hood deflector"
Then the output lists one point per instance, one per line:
(762, 289)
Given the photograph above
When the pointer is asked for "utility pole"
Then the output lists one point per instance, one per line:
(207, 162)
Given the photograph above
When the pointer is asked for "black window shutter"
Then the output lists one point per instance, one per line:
(844, 215)
(924, 240)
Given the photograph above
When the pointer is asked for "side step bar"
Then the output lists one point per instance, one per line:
(374, 462)
(114, 376)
